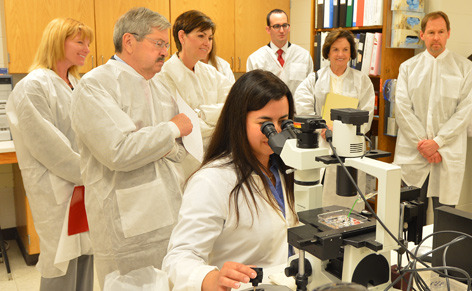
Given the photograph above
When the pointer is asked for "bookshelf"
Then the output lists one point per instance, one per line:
(391, 60)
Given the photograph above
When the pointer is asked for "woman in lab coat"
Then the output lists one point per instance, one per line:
(341, 79)
(237, 207)
(220, 64)
(38, 112)
(200, 85)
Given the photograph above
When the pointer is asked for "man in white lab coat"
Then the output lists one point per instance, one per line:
(286, 60)
(433, 107)
(128, 131)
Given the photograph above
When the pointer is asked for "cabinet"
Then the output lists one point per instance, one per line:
(240, 25)
(390, 63)
(28, 238)
(25, 21)
(107, 13)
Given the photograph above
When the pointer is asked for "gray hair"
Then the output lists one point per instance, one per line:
(139, 22)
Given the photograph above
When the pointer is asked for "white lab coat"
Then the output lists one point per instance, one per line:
(206, 235)
(310, 98)
(38, 112)
(434, 101)
(224, 68)
(128, 162)
(204, 90)
(298, 64)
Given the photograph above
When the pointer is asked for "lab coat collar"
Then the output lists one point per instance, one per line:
(333, 75)
(54, 75)
(440, 57)
(125, 67)
(275, 48)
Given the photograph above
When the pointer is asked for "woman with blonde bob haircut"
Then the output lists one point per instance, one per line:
(38, 112)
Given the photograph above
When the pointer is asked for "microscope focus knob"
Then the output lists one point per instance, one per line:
(292, 270)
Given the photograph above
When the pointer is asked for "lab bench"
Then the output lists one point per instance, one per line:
(27, 238)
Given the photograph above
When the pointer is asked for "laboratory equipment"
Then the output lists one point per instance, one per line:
(359, 251)
(449, 219)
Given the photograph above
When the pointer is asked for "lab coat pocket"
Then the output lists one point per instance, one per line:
(61, 188)
(298, 71)
(143, 208)
(450, 87)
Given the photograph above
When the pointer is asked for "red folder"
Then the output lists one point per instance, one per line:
(77, 216)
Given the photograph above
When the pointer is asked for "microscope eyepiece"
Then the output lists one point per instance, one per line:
(268, 129)
(288, 123)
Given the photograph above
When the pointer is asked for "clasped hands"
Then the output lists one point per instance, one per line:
(428, 148)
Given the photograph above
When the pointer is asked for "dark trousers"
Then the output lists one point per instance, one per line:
(423, 198)
(79, 277)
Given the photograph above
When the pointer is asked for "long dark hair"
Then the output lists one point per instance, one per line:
(251, 92)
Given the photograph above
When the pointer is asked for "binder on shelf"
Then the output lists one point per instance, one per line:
(334, 101)
(317, 51)
(368, 46)
(319, 13)
(410, 5)
(353, 62)
(349, 13)
(373, 12)
(324, 62)
(354, 13)
(360, 13)
(360, 51)
(335, 13)
(342, 13)
(328, 14)
(376, 55)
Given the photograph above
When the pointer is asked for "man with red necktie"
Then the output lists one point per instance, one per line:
(288, 61)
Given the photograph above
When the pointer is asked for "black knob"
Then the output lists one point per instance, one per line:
(292, 270)
(258, 278)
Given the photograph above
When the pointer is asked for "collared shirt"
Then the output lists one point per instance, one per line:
(118, 58)
(276, 48)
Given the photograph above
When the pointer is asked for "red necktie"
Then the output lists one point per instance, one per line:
(279, 58)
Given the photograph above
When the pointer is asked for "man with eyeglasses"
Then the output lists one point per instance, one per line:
(128, 132)
(288, 61)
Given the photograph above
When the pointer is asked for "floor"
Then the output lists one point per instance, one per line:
(25, 278)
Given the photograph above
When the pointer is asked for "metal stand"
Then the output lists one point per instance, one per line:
(5, 256)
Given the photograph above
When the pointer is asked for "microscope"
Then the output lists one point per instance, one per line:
(337, 244)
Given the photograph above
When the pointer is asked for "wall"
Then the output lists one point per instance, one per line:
(300, 22)
(7, 206)
(3, 41)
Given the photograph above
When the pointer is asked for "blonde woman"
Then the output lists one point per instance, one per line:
(38, 112)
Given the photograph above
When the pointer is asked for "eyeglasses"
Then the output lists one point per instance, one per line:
(158, 43)
(278, 26)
